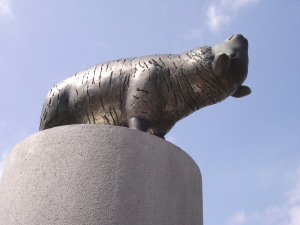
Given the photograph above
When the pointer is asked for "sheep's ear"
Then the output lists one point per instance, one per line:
(221, 63)
(242, 91)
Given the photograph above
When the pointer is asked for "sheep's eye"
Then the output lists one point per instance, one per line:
(233, 55)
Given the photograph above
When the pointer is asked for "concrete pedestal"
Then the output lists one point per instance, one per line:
(96, 174)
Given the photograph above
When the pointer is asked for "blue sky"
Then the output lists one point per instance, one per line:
(248, 149)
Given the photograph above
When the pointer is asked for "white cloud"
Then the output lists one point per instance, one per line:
(6, 9)
(275, 215)
(216, 18)
(294, 214)
(237, 219)
(220, 13)
(294, 201)
(294, 194)
(286, 214)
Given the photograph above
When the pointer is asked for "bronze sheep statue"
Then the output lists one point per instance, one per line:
(150, 93)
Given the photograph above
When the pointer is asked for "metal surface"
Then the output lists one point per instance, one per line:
(150, 93)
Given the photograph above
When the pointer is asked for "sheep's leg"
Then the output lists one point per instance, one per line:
(138, 124)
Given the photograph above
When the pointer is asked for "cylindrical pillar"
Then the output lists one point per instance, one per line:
(97, 174)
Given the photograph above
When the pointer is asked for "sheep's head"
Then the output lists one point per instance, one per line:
(231, 64)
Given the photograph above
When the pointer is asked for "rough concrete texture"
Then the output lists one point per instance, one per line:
(97, 174)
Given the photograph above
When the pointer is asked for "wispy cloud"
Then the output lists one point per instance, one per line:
(216, 18)
(286, 214)
(294, 214)
(294, 194)
(6, 9)
(294, 202)
(237, 219)
(221, 13)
